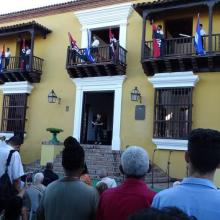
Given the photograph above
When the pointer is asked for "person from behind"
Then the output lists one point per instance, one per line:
(13, 210)
(11, 166)
(35, 193)
(49, 175)
(197, 195)
(169, 213)
(133, 195)
(69, 198)
(101, 187)
(85, 176)
(110, 182)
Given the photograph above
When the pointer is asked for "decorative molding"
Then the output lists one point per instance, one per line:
(175, 79)
(107, 16)
(107, 83)
(170, 144)
(17, 87)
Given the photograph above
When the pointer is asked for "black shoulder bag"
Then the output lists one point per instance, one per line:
(7, 190)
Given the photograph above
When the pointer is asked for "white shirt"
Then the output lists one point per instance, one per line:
(7, 54)
(95, 43)
(15, 168)
(108, 181)
(160, 32)
(28, 51)
(202, 32)
(113, 41)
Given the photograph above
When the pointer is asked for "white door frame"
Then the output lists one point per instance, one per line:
(94, 84)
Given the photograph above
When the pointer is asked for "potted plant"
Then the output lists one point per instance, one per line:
(54, 132)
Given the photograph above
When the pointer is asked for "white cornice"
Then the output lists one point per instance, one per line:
(17, 87)
(175, 79)
(170, 144)
(104, 82)
(118, 13)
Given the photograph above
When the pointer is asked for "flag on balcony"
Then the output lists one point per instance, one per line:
(157, 42)
(73, 44)
(2, 58)
(198, 39)
(23, 55)
(88, 54)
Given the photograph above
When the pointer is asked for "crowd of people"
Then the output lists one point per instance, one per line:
(74, 197)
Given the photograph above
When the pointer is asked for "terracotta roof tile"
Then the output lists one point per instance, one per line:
(24, 26)
(56, 8)
(139, 7)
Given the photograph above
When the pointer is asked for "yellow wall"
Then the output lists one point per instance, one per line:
(42, 115)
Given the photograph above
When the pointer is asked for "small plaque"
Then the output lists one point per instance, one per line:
(140, 112)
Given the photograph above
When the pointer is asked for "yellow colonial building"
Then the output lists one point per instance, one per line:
(174, 93)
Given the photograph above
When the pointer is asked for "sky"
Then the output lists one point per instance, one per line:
(7, 6)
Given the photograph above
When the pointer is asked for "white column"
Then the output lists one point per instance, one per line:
(116, 140)
(78, 113)
(123, 34)
(84, 42)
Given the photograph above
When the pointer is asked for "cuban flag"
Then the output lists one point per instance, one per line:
(88, 54)
(2, 56)
(73, 44)
(156, 41)
(198, 39)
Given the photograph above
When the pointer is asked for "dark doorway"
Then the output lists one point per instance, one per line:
(93, 103)
(179, 27)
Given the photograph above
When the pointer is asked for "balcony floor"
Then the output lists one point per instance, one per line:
(96, 69)
(206, 63)
(17, 75)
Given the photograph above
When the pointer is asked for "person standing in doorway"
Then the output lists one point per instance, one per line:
(98, 126)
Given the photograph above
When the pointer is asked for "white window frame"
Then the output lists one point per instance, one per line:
(12, 88)
(94, 84)
(173, 80)
(107, 16)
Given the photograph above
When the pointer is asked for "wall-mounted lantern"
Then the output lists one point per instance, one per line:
(135, 95)
(52, 97)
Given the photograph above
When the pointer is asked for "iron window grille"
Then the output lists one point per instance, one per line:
(14, 113)
(173, 113)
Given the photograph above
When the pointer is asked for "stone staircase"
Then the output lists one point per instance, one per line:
(101, 156)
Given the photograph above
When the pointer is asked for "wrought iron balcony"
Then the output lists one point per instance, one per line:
(178, 54)
(16, 69)
(104, 63)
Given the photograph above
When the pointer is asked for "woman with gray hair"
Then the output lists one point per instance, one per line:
(35, 192)
(133, 195)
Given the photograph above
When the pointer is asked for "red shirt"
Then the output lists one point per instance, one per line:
(120, 202)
